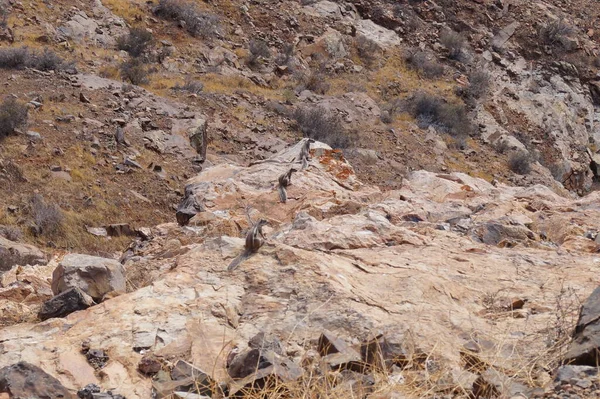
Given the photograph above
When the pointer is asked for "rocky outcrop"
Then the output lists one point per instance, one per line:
(14, 253)
(340, 256)
(91, 274)
(585, 348)
(24, 380)
(65, 303)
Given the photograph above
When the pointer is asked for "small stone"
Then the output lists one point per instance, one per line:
(149, 365)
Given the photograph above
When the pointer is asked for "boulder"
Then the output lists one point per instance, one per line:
(13, 253)
(24, 380)
(382, 37)
(585, 347)
(93, 275)
(183, 378)
(65, 303)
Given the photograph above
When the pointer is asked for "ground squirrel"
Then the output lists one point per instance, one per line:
(284, 181)
(305, 153)
(253, 243)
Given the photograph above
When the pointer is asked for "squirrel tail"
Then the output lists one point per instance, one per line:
(236, 262)
(282, 193)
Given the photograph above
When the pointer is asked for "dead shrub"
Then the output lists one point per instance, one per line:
(520, 162)
(318, 124)
(431, 110)
(134, 71)
(196, 22)
(12, 233)
(189, 86)
(479, 83)
(285, 56)
(424, 64)
(368, 50)
(47, 60)
(14, 57)
(136, 42)
(455, 43)
(313, 81)
(47, 218)
(259, 50)
(21, 57)
(553, 32)
(13, 115)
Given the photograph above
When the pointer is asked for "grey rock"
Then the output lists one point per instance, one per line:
(13, 253)
(65, 303)
(24, 380)
(198, 137)
(569, 372)
(93, 275)
(585, 347)
(188, 207)
(500, 39)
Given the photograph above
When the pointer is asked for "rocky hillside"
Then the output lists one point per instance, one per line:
(440, 242)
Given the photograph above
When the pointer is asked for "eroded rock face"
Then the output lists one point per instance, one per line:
(585, 348)
(93, 275)
(340, 256)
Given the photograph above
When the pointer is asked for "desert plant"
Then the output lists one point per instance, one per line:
(286, 55)
(134, 71)
(190, 86)
(14, 57)
(259, 49)
(47, 60)
(520, 162)
(454, 42)
(367, 49)
(422, 62)
(313, 81)
(196, 22)
(136, 42)
(13, 115)
(431, 110)
(47, 218)
(552, 32)
(318, 124)
(479, 83)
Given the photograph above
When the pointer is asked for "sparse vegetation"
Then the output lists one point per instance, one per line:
(21, 57)
(285, 56)
(136, 42)
(196, 22)
(134, 71)
(520, 162)
(189, 86)
(455, 44)
(47, 218)
(479, 83)
(259, 50)
(313, 81)
(13, 115)
(551, 33)
(431, 110)
(367, 50)
(424, 64)
(318, 124)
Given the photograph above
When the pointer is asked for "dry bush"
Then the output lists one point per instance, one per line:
(424, 64)
(134, 71)
(520, 162)
(196, 22)
(368, 51)
(47, 60)
(285, 56)
(13, 115)
(14, 57)
(431, 110)
(454, 42)
(189, 86)
(21, 57)
(136, 42)
(12, 233)
(47, 218)
(552, 32)
(259, 49)
(479, 83)
(313, 81)
(318, 124)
